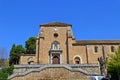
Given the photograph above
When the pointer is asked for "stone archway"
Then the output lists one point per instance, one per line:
(56, 60)
(30, 60)
(77, 60)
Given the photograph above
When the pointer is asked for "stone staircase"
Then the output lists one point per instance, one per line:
(86, 69)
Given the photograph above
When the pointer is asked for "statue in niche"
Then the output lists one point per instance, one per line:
(102, 65)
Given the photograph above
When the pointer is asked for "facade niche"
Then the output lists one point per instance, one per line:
(77, 60)
(55, 46)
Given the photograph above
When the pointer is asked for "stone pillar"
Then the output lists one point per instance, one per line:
(87, 54)
(60, 58)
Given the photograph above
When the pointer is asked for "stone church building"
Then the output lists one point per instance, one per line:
(59, 56)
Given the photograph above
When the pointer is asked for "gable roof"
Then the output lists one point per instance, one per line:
(56, 24)
(86, 42)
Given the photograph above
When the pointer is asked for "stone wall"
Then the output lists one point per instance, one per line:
(53, 74)
(25, 58)
(57, 72)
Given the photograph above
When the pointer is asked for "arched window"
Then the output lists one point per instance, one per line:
(96, 49)
(112, 49)
(55, 46)
(77, 60)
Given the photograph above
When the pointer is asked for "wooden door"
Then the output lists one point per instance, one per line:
(56, 60)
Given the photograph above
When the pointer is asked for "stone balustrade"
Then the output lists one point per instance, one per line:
(86, 69)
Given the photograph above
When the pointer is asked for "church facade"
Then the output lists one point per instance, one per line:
(56, 47)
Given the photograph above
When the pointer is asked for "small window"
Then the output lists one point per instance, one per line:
(112, 49)
(96, 49)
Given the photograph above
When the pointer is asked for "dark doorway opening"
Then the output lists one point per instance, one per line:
(77, 62)
(56, 60)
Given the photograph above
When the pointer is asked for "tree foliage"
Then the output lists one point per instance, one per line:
(15, 54)
(113, 65)
(5, 71)
(2, 61)
(30, 45)
(14, 58)
(3, 76)
(17, 50)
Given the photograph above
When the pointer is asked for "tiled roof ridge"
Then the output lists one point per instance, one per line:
(97, 42)
(55, 24)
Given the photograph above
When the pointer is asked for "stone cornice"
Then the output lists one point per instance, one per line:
(27, 55)
(93, 42)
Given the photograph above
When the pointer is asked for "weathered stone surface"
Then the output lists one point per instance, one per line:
(53, 74)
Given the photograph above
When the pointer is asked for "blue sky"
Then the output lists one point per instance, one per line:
(90, 19)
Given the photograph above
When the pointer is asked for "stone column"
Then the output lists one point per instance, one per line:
(60, 58)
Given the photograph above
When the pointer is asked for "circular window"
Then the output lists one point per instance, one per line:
(55, 35)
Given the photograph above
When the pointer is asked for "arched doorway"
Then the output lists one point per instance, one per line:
(77, 60)
(30, 60)
(56, 60)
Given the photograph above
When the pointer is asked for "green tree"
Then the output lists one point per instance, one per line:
(15, 54)
(2, 61)
(113, 65)
(3, 76)
(5, 71)
(30, 45)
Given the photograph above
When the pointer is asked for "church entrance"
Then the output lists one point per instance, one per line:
(55, 57)
(55, 53)
(56, 60)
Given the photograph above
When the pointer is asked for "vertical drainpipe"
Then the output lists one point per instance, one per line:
(87, 52)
